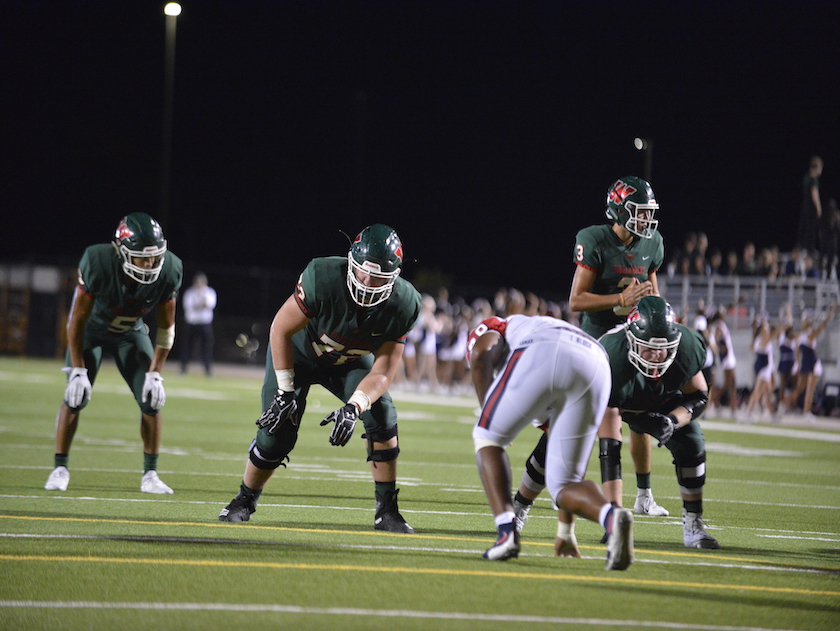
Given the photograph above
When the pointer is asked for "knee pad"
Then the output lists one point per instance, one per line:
(534, 474)
(267, 452)
(609, 452)
(691, 473)
(381, 436)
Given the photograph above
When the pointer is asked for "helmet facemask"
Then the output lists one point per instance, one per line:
(364, 295)
(640, 219)
(652, 369)
(143, 275)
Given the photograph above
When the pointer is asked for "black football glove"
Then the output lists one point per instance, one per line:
(282, 409)
(345, 423)
(667, 423)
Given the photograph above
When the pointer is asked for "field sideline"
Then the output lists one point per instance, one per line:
(103, 555)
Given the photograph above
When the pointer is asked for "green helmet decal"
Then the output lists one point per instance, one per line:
(374, 261)
(631, 203)
(653, 336)
(140, 243)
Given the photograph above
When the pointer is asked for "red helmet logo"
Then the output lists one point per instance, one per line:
(123, 231)
(620, 191)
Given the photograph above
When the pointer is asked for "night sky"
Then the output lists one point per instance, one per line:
(486, 132)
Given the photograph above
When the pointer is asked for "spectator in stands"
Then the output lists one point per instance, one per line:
(731, 263)
(811, 208)
(829, 229)
(699, 263)
(685, 260)
(794, 265)
(768, 263)
(747, 266)
(716, 262)
(810, 269)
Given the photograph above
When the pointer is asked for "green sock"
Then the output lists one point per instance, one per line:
(150, 462)
(643, 480)
(255, 493)
(695, 506)
(383, 487)
(61, 460)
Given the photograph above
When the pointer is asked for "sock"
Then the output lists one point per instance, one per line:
(61, 460)
(382, 488)
(255, 493)
(503, 519)
(695, 506)
(149, 462)
(522, 499)
(605, 516)
(643, 481)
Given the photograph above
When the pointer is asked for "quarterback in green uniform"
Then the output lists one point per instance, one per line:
(119, 283)
(615, 266)
(659, 388)
(344, 328)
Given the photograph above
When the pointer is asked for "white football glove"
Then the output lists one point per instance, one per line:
(78, 387)
(153, 390)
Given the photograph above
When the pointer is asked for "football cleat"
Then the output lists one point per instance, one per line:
(506, 546)
(694, 532)
(240, 508)
(620, 541)
(646, 505)
(388, 516)
(151, 483)
(520, 511)
(58, 480)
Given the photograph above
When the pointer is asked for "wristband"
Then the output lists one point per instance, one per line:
(566, 531)
(360, 400)
(285, 379)
(621, 299)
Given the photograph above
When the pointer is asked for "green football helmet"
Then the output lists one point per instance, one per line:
(375, 256)
(140, 237)
(630, 203)
(651, 325)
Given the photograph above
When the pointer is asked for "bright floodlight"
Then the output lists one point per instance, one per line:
(640, 143)
(173, 9)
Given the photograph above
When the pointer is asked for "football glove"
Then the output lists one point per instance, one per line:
(668, 424)
(78, 387)
(153, 390)
(282, 409)
(345, 423)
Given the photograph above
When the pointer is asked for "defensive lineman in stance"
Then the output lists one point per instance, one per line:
(526, 368)
(119, 283)
(344, 328)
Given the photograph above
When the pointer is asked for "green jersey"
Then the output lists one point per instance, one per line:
(339, 330)
(599, 249)
(632, 392)
(120, 304)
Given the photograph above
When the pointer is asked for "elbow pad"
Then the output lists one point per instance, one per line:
(696, 402)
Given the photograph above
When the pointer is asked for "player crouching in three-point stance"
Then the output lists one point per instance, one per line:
(532, 368)
(119, 283)
(344, 328)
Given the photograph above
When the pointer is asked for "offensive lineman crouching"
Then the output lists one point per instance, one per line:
(343, 328)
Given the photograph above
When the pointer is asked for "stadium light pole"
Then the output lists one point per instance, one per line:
(646, 145)
(172, 10)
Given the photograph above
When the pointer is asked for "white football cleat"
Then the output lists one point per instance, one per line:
(646, 505)
(151, 483)
(520, 511)
(694, 532)
(58, 480)
(620, 542)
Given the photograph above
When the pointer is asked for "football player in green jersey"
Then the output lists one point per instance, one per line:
(344, 327)
(119, 283)
(659, 388)
(615, 266)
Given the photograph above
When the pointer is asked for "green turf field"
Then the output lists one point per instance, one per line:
(102, 555)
